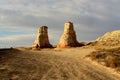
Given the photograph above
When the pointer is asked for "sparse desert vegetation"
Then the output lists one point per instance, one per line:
(51, 64)
(108, 57)
(107, 50)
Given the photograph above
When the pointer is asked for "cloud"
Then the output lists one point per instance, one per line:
(17, 40)
(91, 18)
(17, 37)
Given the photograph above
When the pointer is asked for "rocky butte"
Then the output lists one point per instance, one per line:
(68, 38)
(42, 40)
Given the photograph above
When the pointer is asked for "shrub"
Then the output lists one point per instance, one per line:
(111, 57)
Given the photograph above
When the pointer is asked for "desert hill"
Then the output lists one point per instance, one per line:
(108, 50)
(108, 39)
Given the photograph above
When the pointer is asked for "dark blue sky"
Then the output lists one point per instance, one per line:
(20, 19)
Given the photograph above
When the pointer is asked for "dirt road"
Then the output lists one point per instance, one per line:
(55, 64)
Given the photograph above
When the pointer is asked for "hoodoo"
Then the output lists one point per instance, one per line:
(42, 40)
(68, 39)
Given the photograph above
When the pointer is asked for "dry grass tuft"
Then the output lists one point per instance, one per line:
(107, 57)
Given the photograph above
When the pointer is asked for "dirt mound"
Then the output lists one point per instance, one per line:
(109, 39)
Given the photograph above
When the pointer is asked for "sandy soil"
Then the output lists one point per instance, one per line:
(52, 64)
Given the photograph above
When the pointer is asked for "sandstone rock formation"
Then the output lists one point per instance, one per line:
(109, 39)
(68, 39)
(42, 40)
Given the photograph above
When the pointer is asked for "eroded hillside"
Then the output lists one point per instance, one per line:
(109, 39)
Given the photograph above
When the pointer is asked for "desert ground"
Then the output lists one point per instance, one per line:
(52, 64)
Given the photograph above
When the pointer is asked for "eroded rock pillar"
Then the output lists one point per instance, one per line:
(42, 40)
(68, 38)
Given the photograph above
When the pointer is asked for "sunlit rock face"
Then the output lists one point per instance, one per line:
(109, 39)
(68, 38)
(42, 40)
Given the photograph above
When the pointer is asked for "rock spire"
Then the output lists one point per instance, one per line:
(68, 38)
(42, 40)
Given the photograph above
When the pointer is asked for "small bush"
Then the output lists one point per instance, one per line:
(110, 61)
(111, 57)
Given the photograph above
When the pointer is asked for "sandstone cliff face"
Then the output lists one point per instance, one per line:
(68, 39)
(110, 39)
(42, 40)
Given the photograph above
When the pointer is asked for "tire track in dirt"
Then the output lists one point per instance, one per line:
(56, 64)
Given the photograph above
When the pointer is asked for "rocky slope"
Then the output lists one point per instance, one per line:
(109, 39)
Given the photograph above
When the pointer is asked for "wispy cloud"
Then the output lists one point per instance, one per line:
(17, 40)
(17, 37)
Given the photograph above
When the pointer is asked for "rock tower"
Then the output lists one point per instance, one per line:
(68, 39)
(42, 40)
